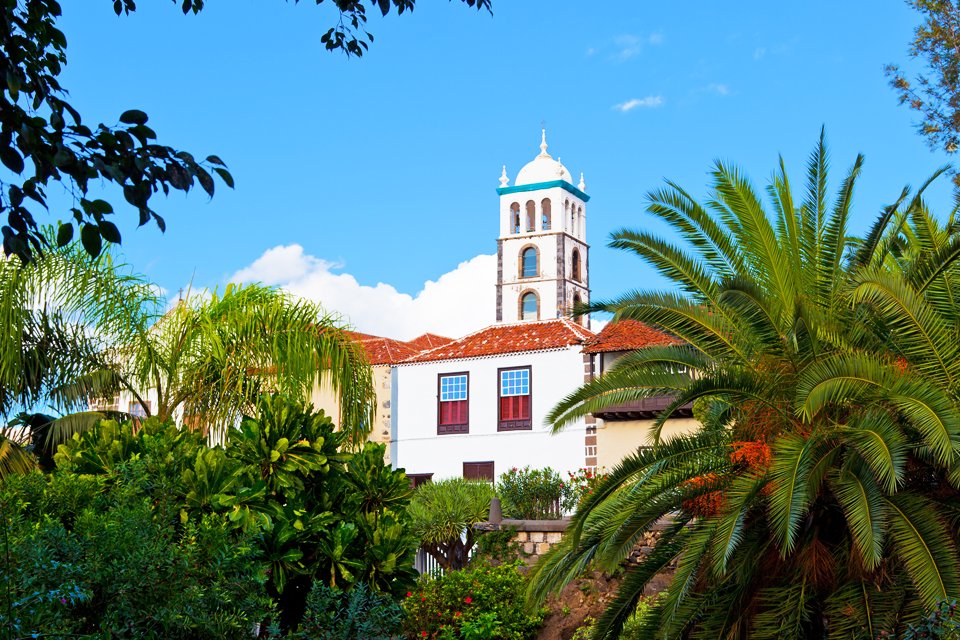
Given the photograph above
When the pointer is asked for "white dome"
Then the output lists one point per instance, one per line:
(543, 168)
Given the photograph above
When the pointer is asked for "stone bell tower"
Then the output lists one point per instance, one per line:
(542, 265)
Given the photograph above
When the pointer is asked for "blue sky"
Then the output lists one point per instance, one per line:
(383, 169)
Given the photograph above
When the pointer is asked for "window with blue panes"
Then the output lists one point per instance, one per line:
(515, 399)
(453, 403)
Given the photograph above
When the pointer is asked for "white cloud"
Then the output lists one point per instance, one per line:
(648, 102)
(627, 47)
(456, 303)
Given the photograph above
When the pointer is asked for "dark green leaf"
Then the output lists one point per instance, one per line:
(100, 206)
(225, 176)
(11, 159)
(205, 181)
(90, 237)
(133, 116)
(64, 234)
(109, 231)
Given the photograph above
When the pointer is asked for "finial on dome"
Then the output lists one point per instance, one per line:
(504, 180)
(583, 185)
(543, 144)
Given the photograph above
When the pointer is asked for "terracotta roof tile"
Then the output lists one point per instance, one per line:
(381, 350)
(429, 341)
(509, 338)
(626, 335)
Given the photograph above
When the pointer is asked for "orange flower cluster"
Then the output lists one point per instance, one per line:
(753, 454)
(901, 364)
(706, 504)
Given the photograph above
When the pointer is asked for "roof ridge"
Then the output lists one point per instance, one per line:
(574, 334)
(578, 329)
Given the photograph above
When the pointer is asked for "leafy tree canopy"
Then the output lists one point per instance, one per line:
(935, 91)
(43, 139)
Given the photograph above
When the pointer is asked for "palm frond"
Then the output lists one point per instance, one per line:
(14, 460)
(792, 462)
(925, 547)
(865, 510)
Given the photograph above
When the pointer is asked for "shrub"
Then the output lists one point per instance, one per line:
(531, 494)
(359, 613)
(579, 485)
(283, 480)
(110, 564)
(942, 622)
(443, 514)
(461, 604)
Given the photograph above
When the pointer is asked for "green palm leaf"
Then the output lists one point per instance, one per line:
(793, 459)
(925, 546)
(865, 509)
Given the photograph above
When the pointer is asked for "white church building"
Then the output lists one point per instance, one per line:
(476, 406)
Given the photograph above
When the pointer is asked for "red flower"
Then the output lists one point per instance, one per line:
(456, 615)
(423, 599)
(423, 633)
(409, 594)
(468, 599)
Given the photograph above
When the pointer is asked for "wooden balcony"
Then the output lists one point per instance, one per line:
(646, 409)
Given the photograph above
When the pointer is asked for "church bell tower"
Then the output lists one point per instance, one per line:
(542, 265)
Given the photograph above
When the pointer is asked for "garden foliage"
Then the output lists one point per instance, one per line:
(282, 488)
(578, 486)
(443, 514)
(478, 602)
(95, 555)
(349, 615)
(531, 494)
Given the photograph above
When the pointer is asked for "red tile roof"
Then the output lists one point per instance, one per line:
(509, 338)
(429, 341)
(626, 335)
(381, 350)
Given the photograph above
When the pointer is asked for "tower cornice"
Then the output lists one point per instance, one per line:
(563, 184)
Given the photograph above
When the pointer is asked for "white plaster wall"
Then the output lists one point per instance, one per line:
(558, 221)
(546, 245)
(418, 448)
(127, 398)
(545, 284)
(555, 195)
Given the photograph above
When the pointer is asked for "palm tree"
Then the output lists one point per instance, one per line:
(820, 496)
(208, 359)
(59, 313)
(89, 329)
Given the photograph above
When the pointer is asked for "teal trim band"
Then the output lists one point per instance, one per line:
(563, 184)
